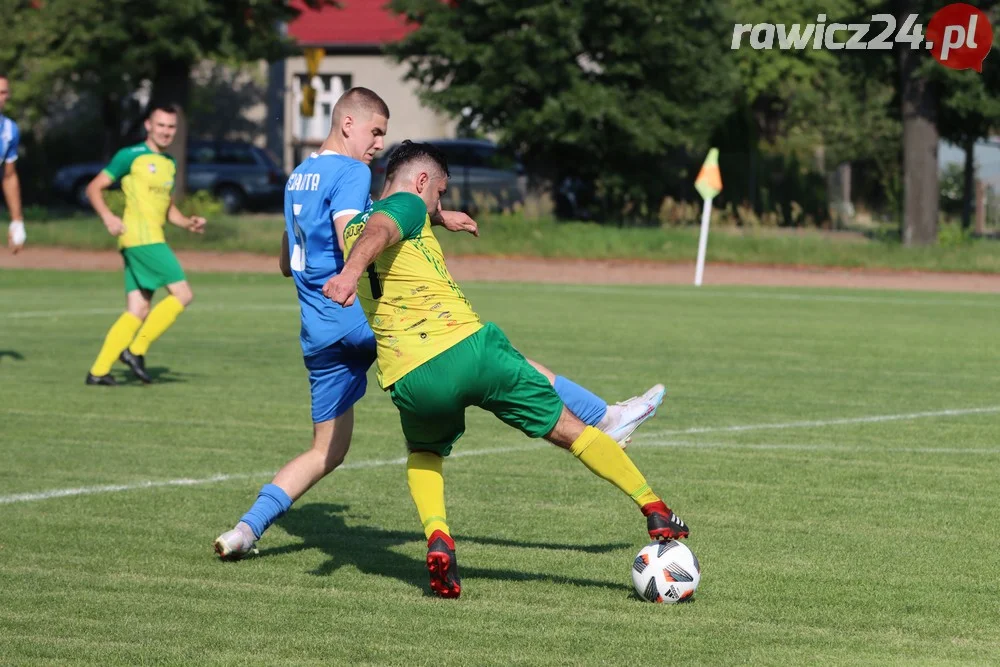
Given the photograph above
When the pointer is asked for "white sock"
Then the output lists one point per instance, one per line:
(611, 418)
(247, 532)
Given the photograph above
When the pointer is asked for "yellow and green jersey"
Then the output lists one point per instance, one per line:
(148, 183)
(412, 304)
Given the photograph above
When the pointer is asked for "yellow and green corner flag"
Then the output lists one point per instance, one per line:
(708, 184)
(709, 181)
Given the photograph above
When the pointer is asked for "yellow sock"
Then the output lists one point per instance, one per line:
(159, 320)
(423, 473)
(119, 336)
(605, 458)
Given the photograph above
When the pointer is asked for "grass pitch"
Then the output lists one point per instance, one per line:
(836, 453)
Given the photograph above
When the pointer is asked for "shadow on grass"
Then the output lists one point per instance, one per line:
(13, 354)
(322, 526)
(159, 374)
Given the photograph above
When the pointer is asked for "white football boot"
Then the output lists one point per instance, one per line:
(236, 543)
(622, 419)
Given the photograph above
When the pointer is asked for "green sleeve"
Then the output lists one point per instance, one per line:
(408, 211)
(120, 164)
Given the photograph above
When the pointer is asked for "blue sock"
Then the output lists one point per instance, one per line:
(271, 503)
(589, 408)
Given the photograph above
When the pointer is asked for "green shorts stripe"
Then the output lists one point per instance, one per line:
(482, 370)
(150, 267)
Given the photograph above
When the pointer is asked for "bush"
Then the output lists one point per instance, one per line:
(203, 204)
(951, 234)
(674, 213)
(952, 189)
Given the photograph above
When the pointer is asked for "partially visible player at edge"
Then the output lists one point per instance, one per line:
(436, 358)
(147, 176)
(10, 137)
(332, 186)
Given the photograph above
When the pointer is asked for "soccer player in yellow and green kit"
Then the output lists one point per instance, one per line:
(147, 177)
(435, 357)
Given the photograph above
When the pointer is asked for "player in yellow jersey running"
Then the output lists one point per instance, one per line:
(147, 176)
(436, 358)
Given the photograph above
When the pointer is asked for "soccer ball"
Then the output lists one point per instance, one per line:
(665, 572)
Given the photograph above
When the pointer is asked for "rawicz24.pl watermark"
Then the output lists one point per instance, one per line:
(958, 36)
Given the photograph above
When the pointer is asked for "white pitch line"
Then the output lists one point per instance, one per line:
(145, 419)
(833, 422)
(154, 484)
(376, 463)
(114, 488)
(680, 444)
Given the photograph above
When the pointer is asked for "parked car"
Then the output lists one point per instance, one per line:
(239, 173)
(481, 175)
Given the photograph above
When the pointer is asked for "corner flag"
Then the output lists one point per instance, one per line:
(709, 181)
(708, 184)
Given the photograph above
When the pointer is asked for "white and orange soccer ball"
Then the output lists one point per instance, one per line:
(665, 572)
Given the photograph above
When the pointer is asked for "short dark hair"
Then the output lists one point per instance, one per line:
(359, 99)
(166, 107)
(410, 151)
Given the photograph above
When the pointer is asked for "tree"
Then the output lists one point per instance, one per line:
(969, 111)
(815, 108)
(603, 91)
(918, 96)
(107, 47)
(934, 104)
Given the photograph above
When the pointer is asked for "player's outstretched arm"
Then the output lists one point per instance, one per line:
(380, 232)
(455, 221)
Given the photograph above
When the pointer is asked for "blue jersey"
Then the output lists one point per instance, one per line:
(321, 189)
(10, 137)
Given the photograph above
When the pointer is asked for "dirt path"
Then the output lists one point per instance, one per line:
(556, 271)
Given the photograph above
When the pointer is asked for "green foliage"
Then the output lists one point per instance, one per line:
(586, 88)
(814, 108)
(204, 204)
(952, 184)
(107, 47)
(969, 111)
(969, 101)
(951, 235)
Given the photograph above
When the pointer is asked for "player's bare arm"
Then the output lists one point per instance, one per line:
(339, 225)
(455, 221)
(380, 232)
(95, 193)
(284, 261)
(195, 223)
(12, 194)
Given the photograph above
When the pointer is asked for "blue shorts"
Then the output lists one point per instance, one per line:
(338, 374)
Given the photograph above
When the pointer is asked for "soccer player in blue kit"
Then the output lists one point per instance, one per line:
(322, 195)
(10, 137)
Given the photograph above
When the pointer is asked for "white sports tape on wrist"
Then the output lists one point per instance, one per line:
(17, 233)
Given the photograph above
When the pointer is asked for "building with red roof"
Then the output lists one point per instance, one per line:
(351, 37)
(357, 25)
